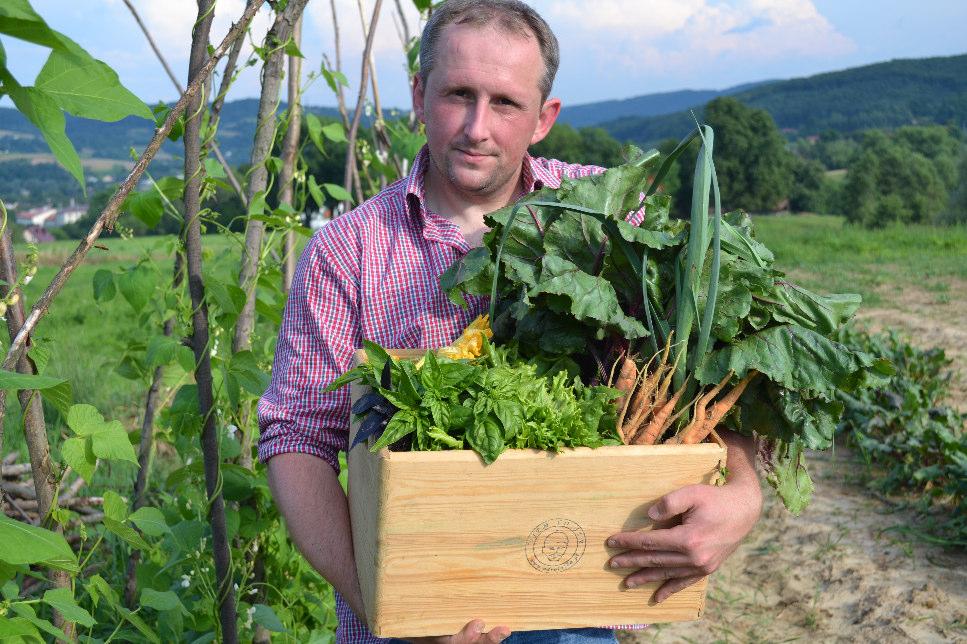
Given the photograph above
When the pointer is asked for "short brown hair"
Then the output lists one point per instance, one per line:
(510, 15)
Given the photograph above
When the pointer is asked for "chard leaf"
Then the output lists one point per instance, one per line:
(823, 314)
(795, 358)
(654, 239)
(473, 274)
(617, 192)
(789, 477)
(579, 239)
(770, 411)
(591, 298)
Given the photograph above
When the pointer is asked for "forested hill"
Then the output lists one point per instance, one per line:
(642, 106)
(113, 140)
(891, 94)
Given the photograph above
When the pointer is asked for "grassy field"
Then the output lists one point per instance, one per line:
(824, 254)
(87, 339)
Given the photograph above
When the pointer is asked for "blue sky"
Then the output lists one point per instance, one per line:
(609, 48)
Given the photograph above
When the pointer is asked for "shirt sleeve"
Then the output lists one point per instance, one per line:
(317, 339)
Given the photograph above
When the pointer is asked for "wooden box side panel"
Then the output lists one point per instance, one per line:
(365, 483)
(521, 542)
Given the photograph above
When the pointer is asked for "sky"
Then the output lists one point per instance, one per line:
(610, 49)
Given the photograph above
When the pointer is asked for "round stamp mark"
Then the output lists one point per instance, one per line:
(555, 545)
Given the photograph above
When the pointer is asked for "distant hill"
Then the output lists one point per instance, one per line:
(891, 94)
(113, 140)
(642, 106)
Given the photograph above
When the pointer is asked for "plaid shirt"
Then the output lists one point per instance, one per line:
(372, 273)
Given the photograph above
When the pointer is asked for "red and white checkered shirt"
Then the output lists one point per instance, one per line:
(372, 273)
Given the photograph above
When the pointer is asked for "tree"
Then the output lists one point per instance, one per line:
(808, 186)
(890, 181)
(590, 145)
(753, 166)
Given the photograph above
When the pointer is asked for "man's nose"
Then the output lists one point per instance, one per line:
(477, 127)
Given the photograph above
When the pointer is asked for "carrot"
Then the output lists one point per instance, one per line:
(642, 403)
(626, 385)
(718, 411)
(660, 421)
(701, 411)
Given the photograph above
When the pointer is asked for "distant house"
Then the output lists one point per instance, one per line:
(39, 216)
(37, 235)
(68, 215)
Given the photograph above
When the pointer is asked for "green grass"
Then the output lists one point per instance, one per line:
(87, 339)
(824, 254)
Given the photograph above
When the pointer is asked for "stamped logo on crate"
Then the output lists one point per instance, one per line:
(555, 545)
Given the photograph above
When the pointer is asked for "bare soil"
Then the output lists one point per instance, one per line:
(845, 571)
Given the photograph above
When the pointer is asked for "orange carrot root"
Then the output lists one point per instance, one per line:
(661, 420)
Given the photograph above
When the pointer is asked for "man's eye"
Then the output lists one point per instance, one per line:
(506, 102)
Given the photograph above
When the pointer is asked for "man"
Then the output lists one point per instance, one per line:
(486, 71)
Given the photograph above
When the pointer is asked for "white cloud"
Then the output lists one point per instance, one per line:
(676, 35)
(170, 23)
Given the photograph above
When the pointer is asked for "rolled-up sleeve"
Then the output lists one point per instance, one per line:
(318, 336)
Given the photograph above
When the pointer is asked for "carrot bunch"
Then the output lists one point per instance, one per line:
(647, 405)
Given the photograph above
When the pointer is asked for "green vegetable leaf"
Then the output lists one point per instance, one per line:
(41, 110)
(137, 286)
(590, 297)
(334, 132)
(150, 521)
(56, 391)
(246, 370)
(17, 627)
(126, 532)
(146, 206)
(27, 612)
(108, 439)
(63, 600)
(337, 192)
(19, 20)
(487, 438)
(86, 87)
(162, 601)
(789, 477)
(795, 358)
(104, 287)
(25, 544)
(316, 192)
(266, 617)
(115, 507)
(314, 126)
(77, 453)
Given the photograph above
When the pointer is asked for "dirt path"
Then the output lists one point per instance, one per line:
(841, 572)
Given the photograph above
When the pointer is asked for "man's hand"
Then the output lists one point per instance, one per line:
(712, 522)
(472, 633)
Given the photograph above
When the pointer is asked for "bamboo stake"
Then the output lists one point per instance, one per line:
(225, 593)
(360, 100)
(279, 33)
(35, 426)
(290, 150)
(232, 179)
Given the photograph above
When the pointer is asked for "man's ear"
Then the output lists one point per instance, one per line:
(549, 113)
(418, 97)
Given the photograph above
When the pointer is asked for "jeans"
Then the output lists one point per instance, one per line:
(558, 636)
(563, 636)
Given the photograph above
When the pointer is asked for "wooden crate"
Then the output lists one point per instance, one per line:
(441, 539)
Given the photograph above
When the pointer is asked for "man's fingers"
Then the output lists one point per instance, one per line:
(670, 539)
(497, 635)
(650, 559)
(474, 633)
(672, 586)
(674, 503)
(648, 575)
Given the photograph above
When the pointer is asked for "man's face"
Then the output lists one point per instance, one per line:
(482, 108)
